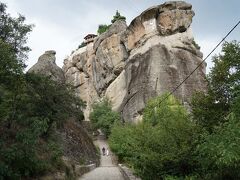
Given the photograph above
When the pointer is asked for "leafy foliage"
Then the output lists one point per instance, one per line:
(28, 122)
(14, 32)
(31, 108)
(206, 111)
(219, 154)
(117, 16)
(83, 44)
(159, 146)
(103, 117)
(102, 28)
(217, 111)
(9, 66)
(224, 86)
(225, 75)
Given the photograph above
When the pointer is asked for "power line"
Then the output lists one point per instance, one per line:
(200, 63)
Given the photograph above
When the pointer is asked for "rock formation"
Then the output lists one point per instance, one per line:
(130, 65)
(46, 66)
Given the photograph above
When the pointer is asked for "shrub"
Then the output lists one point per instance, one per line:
(162, 144)
(117, 16)
(102, 28)
(103, 117)
(83, 44)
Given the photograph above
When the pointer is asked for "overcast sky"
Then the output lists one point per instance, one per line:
(61, 24)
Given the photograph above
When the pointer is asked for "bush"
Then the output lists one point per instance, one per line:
(102, 28)
(83, 44)
(219, 154)
(161, 145)
(118, 17)
(103, 117)
(195, 44)
(27, 123)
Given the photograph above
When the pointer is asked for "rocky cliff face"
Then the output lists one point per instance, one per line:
(131, 64)
(46, 66)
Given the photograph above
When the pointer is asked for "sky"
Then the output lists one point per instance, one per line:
(60, 25)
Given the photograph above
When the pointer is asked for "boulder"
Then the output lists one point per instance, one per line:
(46, 66)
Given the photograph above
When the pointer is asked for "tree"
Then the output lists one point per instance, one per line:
(31, 108)
(162, 144)
(118, 17)
(51, 100)
(225, 75)
(14, 31)
(206, 111)
(10, 68)
(217, 111)
(219, 154)
(28, 146)
(102, 28)
(103, 117)
(83, 44)
(224, 85)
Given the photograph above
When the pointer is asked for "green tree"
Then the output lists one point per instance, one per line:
(41, 105)
(162, 144)
(102, 28)
(10, 68)
(51, 100)
(224, 86)
(225, 75)
(14, 31)
(217, 111)
(117, 16)
(31, 108)
(219, 154)
(103, 117)
(83, 44)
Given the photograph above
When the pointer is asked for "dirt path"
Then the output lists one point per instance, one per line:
(107, 169)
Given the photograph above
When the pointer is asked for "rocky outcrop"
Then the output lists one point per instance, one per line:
(46, 66)
(130, 65)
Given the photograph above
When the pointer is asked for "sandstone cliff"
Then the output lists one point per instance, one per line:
(46, 66)
(131, 64)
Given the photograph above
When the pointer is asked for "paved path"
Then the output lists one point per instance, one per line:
(107, 170)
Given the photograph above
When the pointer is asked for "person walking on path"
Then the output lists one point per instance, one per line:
(107, 170)
(103, 151)
(107, 152)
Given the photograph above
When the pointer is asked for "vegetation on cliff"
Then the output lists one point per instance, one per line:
(104, 27)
